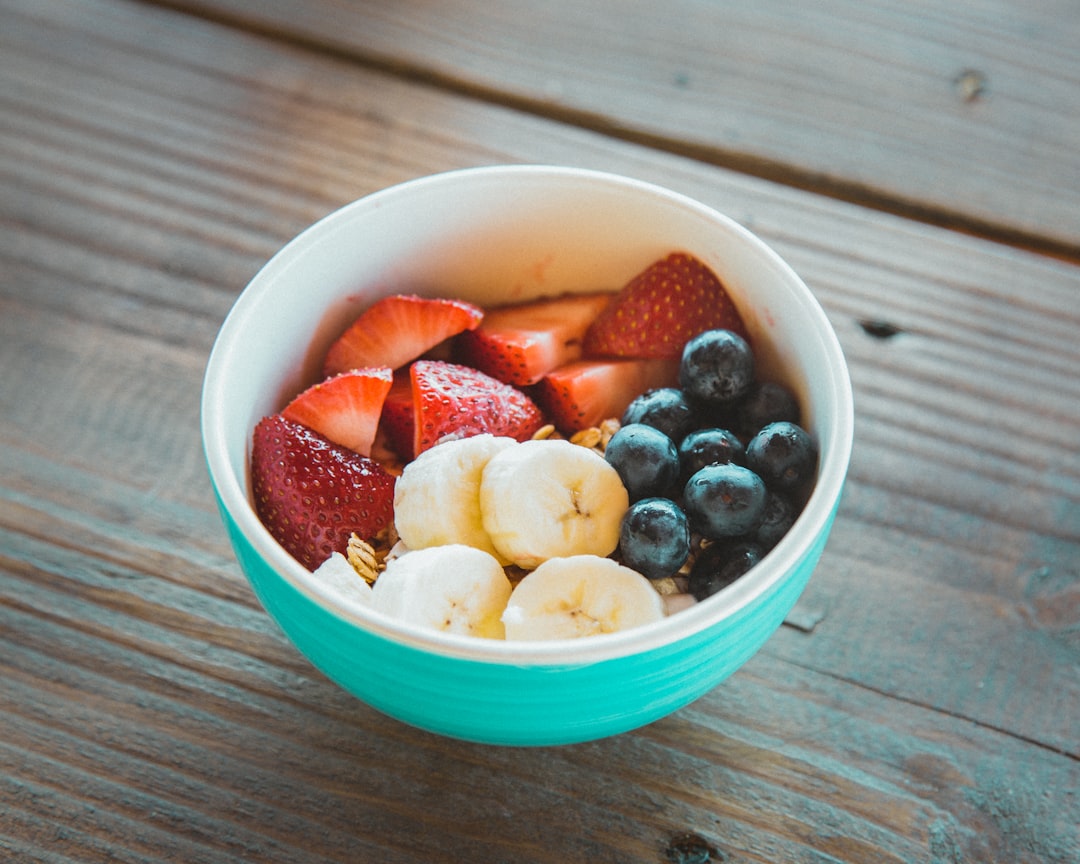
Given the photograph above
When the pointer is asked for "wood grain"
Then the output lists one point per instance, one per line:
(966, 114)
(921, 708)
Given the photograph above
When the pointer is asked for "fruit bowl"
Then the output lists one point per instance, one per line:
(497, 235)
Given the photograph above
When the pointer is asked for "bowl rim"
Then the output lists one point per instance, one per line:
(810, 525)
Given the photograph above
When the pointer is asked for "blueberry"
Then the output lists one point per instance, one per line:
(783, 454)
(665, 408)
(705, 446)
(645, 458)
(654, 538)
(765, 403)
(779, 516)
(724, 500)
(720, 564)
(717, 367)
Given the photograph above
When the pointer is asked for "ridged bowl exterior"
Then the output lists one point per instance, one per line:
(497, 235)
(498, 703)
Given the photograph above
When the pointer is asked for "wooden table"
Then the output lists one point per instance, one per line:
(918, 163)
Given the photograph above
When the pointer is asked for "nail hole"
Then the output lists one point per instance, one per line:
(691, 849)
(879, 329)
(970, 84)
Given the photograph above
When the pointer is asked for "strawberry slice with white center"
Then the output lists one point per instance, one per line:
(455, 401)
(397, 329)
(584, 393)
(661, 309)
(520, 344)
(312, 494)
(344, 408)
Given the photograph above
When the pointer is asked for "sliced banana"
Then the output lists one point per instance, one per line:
(337, 579)
(583, 595)
(677, 602)
(455, 589)
(437, 496)
(550, 498)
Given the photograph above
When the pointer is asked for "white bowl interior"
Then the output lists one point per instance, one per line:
(498, 235)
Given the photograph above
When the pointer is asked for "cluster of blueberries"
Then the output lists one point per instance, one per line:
(718, 465)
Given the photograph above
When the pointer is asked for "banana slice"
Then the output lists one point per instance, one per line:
(437, 496)
(455, 588)
(583, 595)
(549, 499)
(336, 579)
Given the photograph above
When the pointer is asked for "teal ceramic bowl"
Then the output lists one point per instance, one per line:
(502, 234)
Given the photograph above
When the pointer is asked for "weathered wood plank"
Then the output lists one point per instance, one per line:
(924, 712)
(965, 114)
(755, 770)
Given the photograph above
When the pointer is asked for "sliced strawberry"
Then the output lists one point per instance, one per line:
(311, 494)
(450, 400)
(397, 424)
(661, 309)
(344, 408)
(583, 393)
(520, 344)
(398, 329)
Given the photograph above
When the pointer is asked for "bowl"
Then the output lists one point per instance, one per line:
(495, 235)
